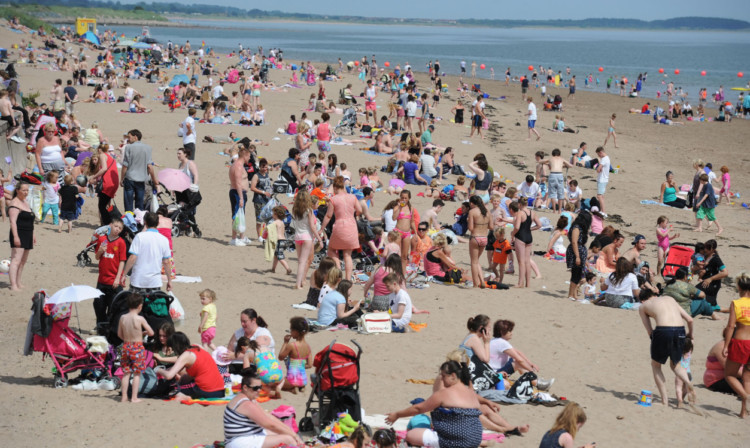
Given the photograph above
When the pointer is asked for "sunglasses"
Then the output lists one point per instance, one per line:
(422, 230)
(255, 388)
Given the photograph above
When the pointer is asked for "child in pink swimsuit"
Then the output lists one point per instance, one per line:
(726, 184)
(662, 236)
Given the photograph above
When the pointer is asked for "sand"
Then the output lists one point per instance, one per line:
(599, 356)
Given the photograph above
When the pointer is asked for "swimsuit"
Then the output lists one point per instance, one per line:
(667, 343)
(663, 241)
(295, 370)
(457, 427)
(269, 370)
(524, 230)
(133, 359)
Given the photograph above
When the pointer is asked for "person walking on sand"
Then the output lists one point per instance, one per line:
(531, 113)
(473, 69)
(611, 131)
(572, 87)
(238, 194)
(478, 117)
(602, 177)
(667, 339)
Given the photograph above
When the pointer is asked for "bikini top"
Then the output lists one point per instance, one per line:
(742, 310)
(402, 215)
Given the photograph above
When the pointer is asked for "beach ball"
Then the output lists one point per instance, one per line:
(482, 66)
(387, 64)
(531, 67)
(677, 71)
(661, 70)
(625, 80)
(703, 73)
(4, 266)
(740, 74)
(356, 63)
(601, 69)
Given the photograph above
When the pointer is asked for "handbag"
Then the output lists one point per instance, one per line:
(483, 377)
(375, 323)
(100, 182)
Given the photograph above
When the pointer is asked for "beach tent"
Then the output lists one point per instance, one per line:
(91, 37)
(178, 79)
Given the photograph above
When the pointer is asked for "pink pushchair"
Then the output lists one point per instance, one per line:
(50, 334)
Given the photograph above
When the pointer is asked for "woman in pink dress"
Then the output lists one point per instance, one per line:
(344, 236)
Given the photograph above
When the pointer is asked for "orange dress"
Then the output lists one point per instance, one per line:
(344, 235)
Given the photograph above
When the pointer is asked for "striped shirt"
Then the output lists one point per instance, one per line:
(238, 425)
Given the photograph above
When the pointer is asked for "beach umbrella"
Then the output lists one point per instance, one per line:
(81, 157)
(174, 180)
(176, 79)
(91, 37)
(74, 294)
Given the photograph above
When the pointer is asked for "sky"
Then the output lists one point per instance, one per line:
(501, 9)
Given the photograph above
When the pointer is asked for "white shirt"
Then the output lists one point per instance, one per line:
(498, 357)
(428, 165)
(532, 111)
(151, 248)
(260, 331)
(189, 121)
(474, 105)
(218, 91)
(370, 93)
(411, 109)
(529, 191)
(388, 220)
(574, 195)
(604, 164)
(401, 297)
(50, 193)
(625, 288)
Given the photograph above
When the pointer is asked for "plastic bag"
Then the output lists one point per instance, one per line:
(266, 213)
(176, 311)
(154, 202)
(238, 224)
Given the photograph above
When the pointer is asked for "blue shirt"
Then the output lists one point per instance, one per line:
(409, 169)
(328, 307)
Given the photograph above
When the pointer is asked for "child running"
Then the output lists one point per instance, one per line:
(662, 236)
(726, 184)
(297, 355)
(130, 329)
(278, 244)
(207, 327)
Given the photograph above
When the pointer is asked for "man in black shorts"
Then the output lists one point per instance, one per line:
(667, 339)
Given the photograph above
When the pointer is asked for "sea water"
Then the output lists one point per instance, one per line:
(620, 52)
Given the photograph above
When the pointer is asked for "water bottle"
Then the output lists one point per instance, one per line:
(228, 389)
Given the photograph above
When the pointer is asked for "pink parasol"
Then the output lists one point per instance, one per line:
(174, 180)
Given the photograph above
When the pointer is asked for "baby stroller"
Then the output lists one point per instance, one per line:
(181, 209)
(48, 332)
(348, 123)
(335, 386)
(679, 255)
(155, 310)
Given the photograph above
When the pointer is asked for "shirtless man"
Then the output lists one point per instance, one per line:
(667, 340)
(58, 101)
(633, 254)
(431, 215)
(388, 141)
(238, 193)
(556, 179)
(130, 329)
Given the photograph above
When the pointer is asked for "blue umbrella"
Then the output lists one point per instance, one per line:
(91, 37)
(176, 79)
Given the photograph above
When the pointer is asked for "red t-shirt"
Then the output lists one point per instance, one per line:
(204, 371)
(115, 253)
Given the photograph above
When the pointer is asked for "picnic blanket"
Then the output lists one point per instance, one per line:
(124, 111)
(375, 153)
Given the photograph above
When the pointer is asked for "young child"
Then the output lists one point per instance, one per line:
(393, 246)
(266, 363)
(589, 292)
(401, 307)
(133, 361)
(501, 248)
(567, 424)
(207, 327)
(385, 438)
(662, 236)
(681, 388)
(433, 190)
(705, 205)
(372, 174)
(112, 253)
(4, 179)
(297, 355)
(726, 184)
(364, 179)
(462, 193)
(68, 202)
(279, 244)
(51, 199)
(333, 278)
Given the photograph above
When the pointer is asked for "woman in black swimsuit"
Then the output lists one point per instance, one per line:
(458, 112)
(21, 235)
(523, 218)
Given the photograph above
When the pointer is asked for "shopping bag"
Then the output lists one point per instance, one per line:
(176, 311)
(154, 202)
(238, 224)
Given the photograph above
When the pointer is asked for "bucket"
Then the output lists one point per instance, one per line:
(645, 399)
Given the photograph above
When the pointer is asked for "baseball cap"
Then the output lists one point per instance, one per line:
(638, 238)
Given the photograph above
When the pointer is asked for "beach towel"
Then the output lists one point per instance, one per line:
(147, 111)
(186, 279)
(652, 202)
(375, 153)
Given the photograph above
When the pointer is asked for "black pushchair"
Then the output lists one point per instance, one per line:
(183, 218)
(348, 123)
(335, 386)
(155, 311)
